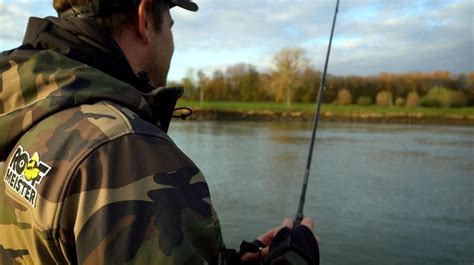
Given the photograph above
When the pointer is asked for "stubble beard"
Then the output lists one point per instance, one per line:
(156, 70)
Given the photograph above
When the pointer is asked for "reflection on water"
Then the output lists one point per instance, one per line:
(381, 194)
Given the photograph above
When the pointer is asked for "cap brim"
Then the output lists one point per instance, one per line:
(186, 4)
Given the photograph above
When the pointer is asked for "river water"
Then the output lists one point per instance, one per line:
(380, 194)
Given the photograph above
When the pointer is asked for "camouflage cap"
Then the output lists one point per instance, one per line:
(96, 8)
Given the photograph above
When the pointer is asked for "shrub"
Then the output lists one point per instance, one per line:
(470, 97)
(384, 99)
(364, 101)
(459, 99)
(399, 102)
(344, 97)
(441, 97)
(412, 99)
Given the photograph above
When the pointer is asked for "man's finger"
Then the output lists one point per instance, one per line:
(288, 222)
(308, 222)
(250, 257)
(256, 256)
(266, 238)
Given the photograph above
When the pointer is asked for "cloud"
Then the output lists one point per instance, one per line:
(435, 37)
(371, 36)
(9, 17)
(14, 16)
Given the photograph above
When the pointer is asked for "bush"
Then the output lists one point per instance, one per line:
(364, 101)
(384, 99)
(441, 97)
(412, 99)
(399, 102)
(470, 97)
(344, 97)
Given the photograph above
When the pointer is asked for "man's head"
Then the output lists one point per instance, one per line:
(142, 28)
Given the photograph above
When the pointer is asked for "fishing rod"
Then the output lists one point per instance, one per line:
(322, 86)
(256, 246)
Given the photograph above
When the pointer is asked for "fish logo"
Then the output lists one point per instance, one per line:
(32, 169)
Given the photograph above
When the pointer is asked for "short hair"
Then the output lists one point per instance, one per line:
(114, 24)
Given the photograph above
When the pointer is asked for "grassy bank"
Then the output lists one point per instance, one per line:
(266, 111)
(467, 112)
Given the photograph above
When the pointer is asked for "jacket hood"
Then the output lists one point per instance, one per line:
(67, 63)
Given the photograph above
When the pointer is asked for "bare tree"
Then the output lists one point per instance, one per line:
(202, 81)
(289, 64)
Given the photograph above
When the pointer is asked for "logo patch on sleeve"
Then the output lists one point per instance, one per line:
(24, 173)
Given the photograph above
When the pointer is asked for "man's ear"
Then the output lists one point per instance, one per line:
(143, 25)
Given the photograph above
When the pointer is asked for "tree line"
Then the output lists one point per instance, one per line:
(294, 80)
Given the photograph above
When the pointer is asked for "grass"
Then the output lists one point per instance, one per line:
(336, 109)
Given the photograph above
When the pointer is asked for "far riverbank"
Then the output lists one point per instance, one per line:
(247, 111)
(297, 116)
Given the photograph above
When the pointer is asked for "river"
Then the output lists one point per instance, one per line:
(380, 194)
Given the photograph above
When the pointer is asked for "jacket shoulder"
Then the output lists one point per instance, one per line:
(41, 166)
(60, 142)
(150, 200)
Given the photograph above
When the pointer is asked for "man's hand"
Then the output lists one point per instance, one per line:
(267, 237)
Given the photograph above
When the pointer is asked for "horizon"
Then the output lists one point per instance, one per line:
(370, 37)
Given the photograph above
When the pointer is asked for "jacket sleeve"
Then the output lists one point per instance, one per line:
(139, 200)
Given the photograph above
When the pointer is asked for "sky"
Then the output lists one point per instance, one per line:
(371, 36)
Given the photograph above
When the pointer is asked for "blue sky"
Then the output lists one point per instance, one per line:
(371, 36)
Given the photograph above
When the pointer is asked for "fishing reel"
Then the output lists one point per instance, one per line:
(289, 246)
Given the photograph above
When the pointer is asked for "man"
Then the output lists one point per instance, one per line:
(89, 174)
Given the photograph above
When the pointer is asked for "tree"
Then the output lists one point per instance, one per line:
(289, 64)
(308, 89)
(470, 88)
(188, 83)
(412, 99)
(344, 97)
(384, 99)
(215, 88)
(244, 82)
(202, 82)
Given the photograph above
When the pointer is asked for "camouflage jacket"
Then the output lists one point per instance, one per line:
(88, 176)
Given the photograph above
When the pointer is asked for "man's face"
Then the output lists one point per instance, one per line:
(161, 51)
